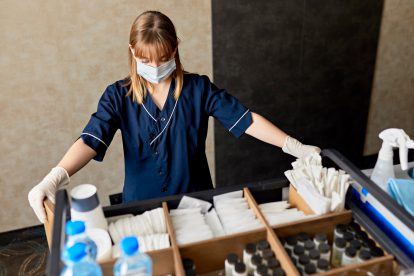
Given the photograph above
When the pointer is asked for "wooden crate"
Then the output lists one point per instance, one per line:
(209, 255)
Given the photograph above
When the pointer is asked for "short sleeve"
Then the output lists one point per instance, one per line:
(235, 117)
(103, 124)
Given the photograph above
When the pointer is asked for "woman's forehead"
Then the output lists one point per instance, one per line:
(153, 52)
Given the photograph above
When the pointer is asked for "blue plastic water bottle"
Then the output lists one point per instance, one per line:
(75, 231)
(132, 262)
(79, 263)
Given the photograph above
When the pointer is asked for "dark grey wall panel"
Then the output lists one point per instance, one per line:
(307, 66)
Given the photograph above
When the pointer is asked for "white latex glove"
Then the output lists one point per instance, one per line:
(297, 149)
(57, 178)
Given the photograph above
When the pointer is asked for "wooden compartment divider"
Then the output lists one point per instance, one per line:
(178, 264)
(277, 247)
(50, 215)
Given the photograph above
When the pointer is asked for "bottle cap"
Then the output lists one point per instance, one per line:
(76, 252)
(355, 244)
(309, 245)
(188, 264)
(291, 241)
(340, 243)
(321, 237)
(368, 243)
(376, 252)
(298, 250)
(324, 248)
(74, 227)
(261, 245)
(261, 269)
(348, 236)
(340, 228)
(350, 252)
(310, 269)
(232, 258)
(314, 254)
(240, 267)
(323, 264)
(302, 237)
(364, 255)
(278, 272)
(250, 248)
(304, 259)
(129, 245)
(273, 263)
(361, 235)
(353, 227)
(267, 253)
(256, 260)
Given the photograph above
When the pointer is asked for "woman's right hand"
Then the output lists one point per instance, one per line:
(57, 178)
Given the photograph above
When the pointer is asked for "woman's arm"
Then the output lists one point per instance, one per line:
(267, 132)
(78, 155)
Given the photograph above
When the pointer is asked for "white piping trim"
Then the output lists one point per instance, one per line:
(143, 105)
(172, 113)
(239, 119)
(95, 138)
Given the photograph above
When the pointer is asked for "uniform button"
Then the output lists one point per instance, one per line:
(160, 172)
(164, 189)
(162, 119)
(156, 152)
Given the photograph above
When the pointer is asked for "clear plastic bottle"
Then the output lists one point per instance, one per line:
(339, 231)
(229, 263)
(349, 256)
(325, 251)
(255, 261)
(309, 269)
(248, 252)
(132, 262)
(319, 239)
(309, 245)
(363, 256)
(338, 250)
(79, 263)
(261, 246)
(322, 266)
(75, 231)
(302, 237)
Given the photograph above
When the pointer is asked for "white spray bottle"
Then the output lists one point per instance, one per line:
(384, 168)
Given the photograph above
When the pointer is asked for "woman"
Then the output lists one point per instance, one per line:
(162, 113)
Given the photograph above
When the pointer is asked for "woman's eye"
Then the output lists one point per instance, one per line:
(144, 61)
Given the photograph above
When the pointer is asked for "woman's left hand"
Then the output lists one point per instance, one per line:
(297, 149)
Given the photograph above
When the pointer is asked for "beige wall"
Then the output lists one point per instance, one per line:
(392, 102)
(57, 57)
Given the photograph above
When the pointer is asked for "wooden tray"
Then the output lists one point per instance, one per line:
(209, 255)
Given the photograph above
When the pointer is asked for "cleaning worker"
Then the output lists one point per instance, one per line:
(162, 112)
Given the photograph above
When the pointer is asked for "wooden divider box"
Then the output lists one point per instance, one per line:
(209, 255)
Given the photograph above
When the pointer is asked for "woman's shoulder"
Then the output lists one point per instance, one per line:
(195, 79)
(119, 87)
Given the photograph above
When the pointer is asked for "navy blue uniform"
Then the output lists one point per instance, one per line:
(164, 150)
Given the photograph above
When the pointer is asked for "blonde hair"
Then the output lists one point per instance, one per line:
(152, 36)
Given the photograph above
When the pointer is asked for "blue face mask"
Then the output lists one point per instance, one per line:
(156, 74)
